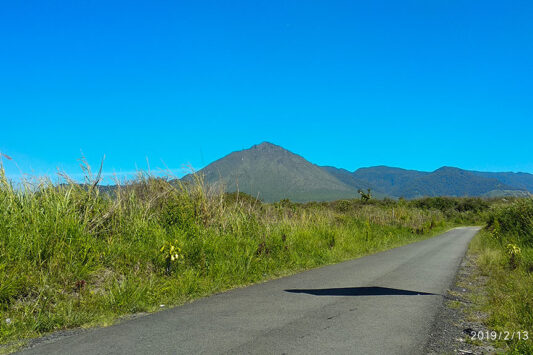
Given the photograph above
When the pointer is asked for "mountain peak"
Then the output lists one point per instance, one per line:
(267, 146)
(448, 169)
(272, 173)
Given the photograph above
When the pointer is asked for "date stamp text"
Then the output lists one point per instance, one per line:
(501, 335)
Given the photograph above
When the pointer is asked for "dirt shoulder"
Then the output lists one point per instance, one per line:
(460, 315)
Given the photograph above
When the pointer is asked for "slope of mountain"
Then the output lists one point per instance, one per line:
(519, 180)
(448, 181)
(507, 193)
(349, 179)
(273, 173)
(387, 179)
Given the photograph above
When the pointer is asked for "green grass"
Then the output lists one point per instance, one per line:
(73, 256)
(505, 255)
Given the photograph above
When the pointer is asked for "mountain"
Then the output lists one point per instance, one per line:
(272, 173)
(347, 177)
(350, 179)
(386, 179)
(448, 181)
(521, 180)
(445, 181)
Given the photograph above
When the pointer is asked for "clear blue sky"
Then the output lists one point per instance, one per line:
(414, 84)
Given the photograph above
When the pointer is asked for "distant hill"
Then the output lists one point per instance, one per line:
(507, 193)
(272, 173)
(445, 181)
(386, 179)
(448, 181)
(350, 179)
(520, 180)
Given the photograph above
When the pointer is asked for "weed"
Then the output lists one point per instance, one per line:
(171, 254)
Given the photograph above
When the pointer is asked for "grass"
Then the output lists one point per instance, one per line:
(505, 255)
(72, 255)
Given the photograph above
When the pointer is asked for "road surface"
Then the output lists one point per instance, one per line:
(384, 303)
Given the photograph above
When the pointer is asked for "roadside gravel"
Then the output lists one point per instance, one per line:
(459, 316)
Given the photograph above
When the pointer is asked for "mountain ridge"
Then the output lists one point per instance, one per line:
(272, 173)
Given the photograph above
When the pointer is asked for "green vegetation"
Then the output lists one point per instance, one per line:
(466, 210)
(365, 196)
(74, 255)
(78, 255)
(505, 256)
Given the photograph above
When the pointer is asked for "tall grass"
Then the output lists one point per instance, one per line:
(77, 255)
(505, 251)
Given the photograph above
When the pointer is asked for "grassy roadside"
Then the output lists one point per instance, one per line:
(504, 254)
(72, 256)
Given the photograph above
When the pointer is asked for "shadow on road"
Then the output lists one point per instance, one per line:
(359, 291)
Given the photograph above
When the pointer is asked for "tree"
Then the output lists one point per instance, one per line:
(365, 196)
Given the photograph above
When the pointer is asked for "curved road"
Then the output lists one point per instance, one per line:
(384, 303)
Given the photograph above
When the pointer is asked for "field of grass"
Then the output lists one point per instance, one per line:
(505, 254)
(72, 255)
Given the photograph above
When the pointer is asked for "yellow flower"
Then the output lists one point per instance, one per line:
(513, 249)
(171, 252)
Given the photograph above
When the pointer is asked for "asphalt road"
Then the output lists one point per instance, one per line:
(384, 303)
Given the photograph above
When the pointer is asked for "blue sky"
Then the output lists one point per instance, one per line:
(414, 84)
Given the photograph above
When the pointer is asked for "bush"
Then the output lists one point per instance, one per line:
(507, 259)
(513, 223)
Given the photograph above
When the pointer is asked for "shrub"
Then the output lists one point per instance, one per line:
(513, 222)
